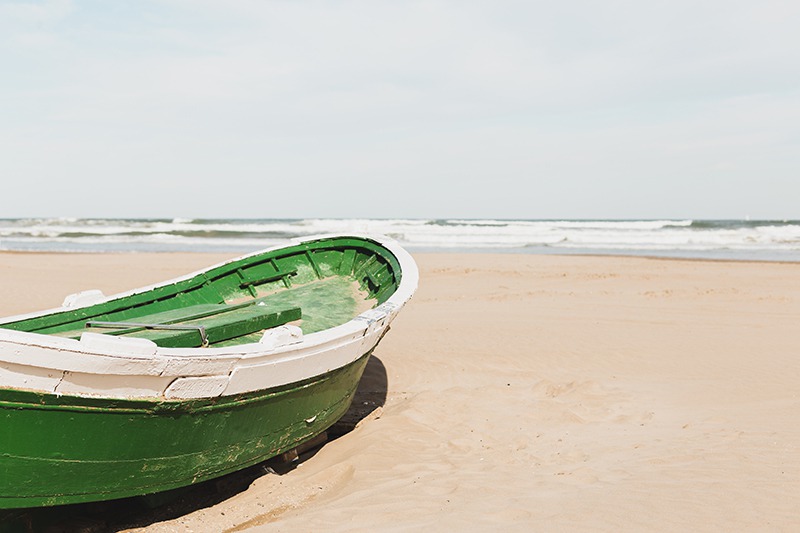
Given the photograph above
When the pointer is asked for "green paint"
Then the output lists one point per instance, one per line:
(58, 450)
(68, 449)
(197, 332)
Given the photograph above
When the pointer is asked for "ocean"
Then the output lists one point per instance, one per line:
(768, 240)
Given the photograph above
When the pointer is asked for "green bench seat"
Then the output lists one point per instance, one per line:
(197, 325)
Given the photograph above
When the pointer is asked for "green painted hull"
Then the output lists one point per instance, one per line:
(188, 380)
(61, 450)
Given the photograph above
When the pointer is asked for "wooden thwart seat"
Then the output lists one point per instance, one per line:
(248, 282)
(199, 325)
(282, 275)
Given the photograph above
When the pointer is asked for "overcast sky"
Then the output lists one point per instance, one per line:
(495, 109)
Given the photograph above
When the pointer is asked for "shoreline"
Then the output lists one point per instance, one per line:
(415, 252)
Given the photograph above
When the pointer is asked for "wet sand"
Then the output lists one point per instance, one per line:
(526, 392)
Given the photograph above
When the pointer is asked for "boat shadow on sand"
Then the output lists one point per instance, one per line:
(142, 511)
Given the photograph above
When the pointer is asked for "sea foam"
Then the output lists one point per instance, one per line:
(680, 237)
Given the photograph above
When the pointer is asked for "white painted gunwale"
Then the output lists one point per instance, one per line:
(117, 368)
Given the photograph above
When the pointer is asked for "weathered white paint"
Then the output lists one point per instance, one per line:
(84, 298)
(33, 350)
(111, 386)
(114, 367)
(131, 347)
(295, 366)
(206, 365)
(196, 387)
(281, 336)
(30, 378)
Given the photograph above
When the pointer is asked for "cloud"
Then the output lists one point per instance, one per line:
(430, 94)
(19, 12)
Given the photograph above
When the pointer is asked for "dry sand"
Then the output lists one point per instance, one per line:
(540, 393)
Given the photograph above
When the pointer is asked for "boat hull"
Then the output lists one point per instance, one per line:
(198, 376)
(63, 450)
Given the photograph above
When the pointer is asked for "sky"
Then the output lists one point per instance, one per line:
(413, 109)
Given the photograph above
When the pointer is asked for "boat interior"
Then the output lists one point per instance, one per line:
(316, 286)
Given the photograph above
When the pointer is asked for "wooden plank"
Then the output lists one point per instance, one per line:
(375, 274)
(371, 260)
(219, 327)
(348, 258)
(163, 317)
(313, 264)
(173, 316)
(248, 282)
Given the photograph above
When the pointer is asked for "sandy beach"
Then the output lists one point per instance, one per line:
(531, 393)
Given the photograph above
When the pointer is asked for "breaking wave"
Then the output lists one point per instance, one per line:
(681, 237)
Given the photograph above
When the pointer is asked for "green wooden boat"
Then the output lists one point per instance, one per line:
(173, 384)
